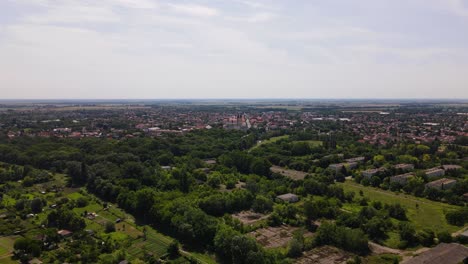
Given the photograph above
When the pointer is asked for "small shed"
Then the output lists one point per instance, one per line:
(288, 197)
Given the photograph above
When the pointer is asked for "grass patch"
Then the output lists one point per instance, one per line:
(118, 236)
(312, 143)
(74, 195)
(393, 239)
(428, 214)
(90, 208)
(8, 201)
(6, 245)
(382, 259)
(269, 141)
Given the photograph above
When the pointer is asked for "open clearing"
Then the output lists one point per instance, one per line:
(292, 174)
(312, 143)
(428, 214)
(6, 245)
(269, 141)
(249, 217)
(273, 237)
(324, 255)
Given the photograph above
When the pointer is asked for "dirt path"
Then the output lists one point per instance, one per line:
(455, 234)
(379, 249)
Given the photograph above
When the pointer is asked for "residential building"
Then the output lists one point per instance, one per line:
(356, 159)
(371, 172)
(402, 178)
(435, 172)
(451, 167)
(404, 166)
(441, 184)
(452, 253)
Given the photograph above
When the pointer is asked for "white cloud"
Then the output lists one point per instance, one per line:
(139, 4)
(66, 12)
(154, 49)
(254, 18)
(194, 10)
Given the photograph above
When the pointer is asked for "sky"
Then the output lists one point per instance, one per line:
(159, 49)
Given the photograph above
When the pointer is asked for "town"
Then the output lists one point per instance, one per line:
(286, 178)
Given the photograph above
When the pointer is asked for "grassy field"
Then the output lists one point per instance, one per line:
(6, 245)
(428, 214)
(269, 141)
(313, 143)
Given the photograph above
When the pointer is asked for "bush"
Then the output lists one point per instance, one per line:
(82, 202)
(458, 217)
(110, 227)
(173, 249)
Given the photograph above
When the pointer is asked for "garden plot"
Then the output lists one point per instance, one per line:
(273, 237)
(249, 217)
(325, 255)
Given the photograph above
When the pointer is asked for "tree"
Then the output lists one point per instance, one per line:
(77, 172)
(36, 205)
(110, 227)
(376, 228)
(407, 233)
(26, 248)
(262, 204)
(396, 211)
(260, 166)
(173, 249)
(295, 248)
(444, 236)
(458, 217)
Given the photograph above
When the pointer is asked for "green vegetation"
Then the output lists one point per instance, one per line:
(213, 195)
(423, 213)
(269, 141)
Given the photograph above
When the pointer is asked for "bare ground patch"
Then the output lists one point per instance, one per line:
(324, 255)
(249, 217)
(292, 174)
(272, 237)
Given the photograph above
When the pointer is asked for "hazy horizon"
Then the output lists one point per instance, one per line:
(238, 49)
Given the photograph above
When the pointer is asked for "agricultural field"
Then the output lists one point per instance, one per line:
(274, 237)
(423, 213)
(141, 239)
(249, 217)
(324, 255)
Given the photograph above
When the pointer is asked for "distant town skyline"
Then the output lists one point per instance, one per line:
(162, 49)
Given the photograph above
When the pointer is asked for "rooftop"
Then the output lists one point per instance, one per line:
(452, 253)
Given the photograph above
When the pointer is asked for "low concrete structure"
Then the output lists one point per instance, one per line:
(338, 166)
(64, 233)
(288, 197)
(356, 159)
(451, 167)
(442, 184)
(404, 166)
(435, 172)
(371, 172)
(452, 253)
(402, 178)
